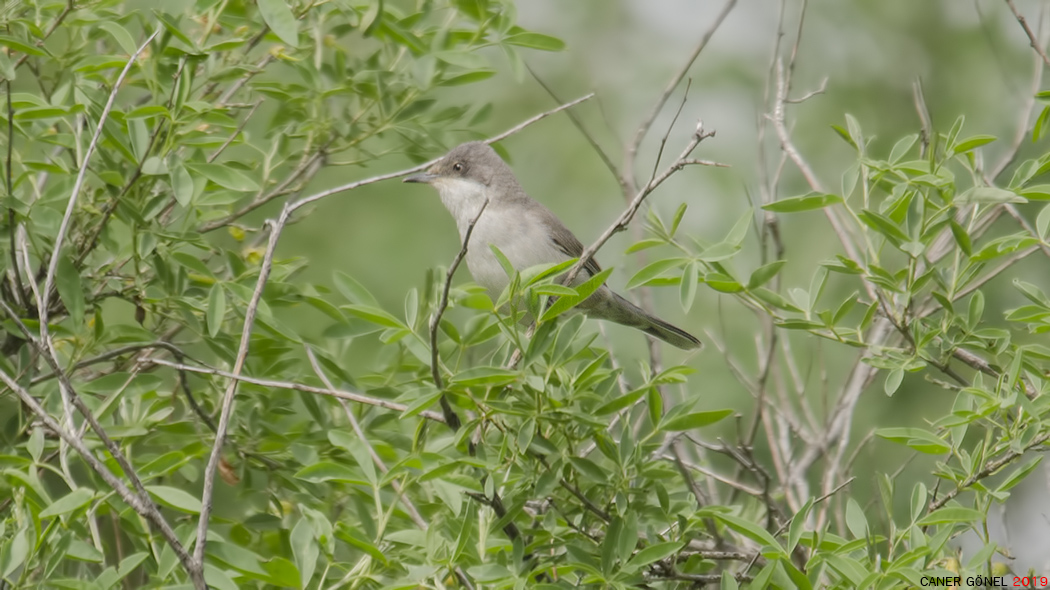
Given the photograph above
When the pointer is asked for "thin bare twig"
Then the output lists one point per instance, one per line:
(63, 228)
(451, 418)
(237, 132)
(339, 393)
(21, 296)
(231, 388)
(925, 122)
(1022, 123)
(647, 123)
(409, 506)
(1032, 38)
(625, 218)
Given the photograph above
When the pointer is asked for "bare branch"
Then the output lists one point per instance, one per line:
(989, 468)
(63, 228)
(925, 123)
(1032, 38)
(21, 295)
(530, 121)
(435, 321)
(628, 214)
(237, 132)
(647, 123)
(1022, 122)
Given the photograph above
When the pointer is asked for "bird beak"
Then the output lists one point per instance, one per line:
(424, 177)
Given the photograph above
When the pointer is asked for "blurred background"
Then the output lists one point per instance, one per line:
(972, 58)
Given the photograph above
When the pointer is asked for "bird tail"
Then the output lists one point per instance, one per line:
(637, 317)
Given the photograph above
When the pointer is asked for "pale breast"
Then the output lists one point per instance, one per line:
(518, 235)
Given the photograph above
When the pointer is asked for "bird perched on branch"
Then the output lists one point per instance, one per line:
(526, 232)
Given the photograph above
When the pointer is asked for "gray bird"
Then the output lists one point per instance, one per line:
(526, 232)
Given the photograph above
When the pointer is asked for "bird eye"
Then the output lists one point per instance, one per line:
(458, 167)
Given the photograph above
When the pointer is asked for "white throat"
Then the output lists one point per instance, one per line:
(463, 199)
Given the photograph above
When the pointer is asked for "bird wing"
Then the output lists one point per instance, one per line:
(566, 242)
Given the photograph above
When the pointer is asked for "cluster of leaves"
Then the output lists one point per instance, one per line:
(231, 106)
(924, 243)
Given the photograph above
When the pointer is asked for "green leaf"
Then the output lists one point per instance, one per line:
(653, 270)
(736, 234)
(584, 290)
(589, 468)
(916, 438)
(620, 402)
(468, 78)
(463, 59)
(323, 471)
(950, 515)
(893, 381)
(70, 289)
(798, 525)
(280, 19)
(972, 142)
(961, 237)
(849, 568)
(20, 47)
(354, 291)
(375, 315)
(678, 215)
(304, 550)
(175, 29)
(918, 500)
(883, 225)
(695, 420)
(807, 202)
(224, 176)
(555, 290)
(181, 182)
(14, 553)
(216, 312)
(1042, 223)
(763, 274)
(175, 498)
(855, 519)
(975, 309)
(1038, 192)
(1018, 475)
(120, 35)
(745, 527)
(687, 288)
(147, 112)
(988, 194)
(68, 503)
(485, 376)
(1041, 124)
(726, 284)
(654, 553)
(844, 135)
(902, 147)
(644, 244)
(192, 262)
(536, 41)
